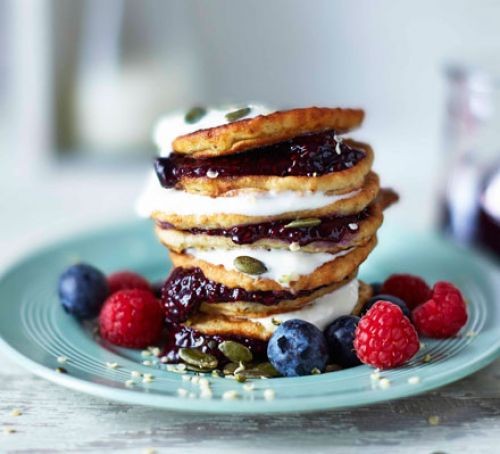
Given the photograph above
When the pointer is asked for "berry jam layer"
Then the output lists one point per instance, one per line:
(332, 229)
(308, 155)
(179, 336)
(186, 288)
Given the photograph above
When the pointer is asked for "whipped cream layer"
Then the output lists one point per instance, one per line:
(173, 125)
(245, 202)
(282, 265)
(322, 311)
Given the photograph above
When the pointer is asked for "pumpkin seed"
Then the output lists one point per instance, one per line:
(237, 114)
(193, 368)
(240, 378)
(195, 357)
(303, 223)
(235, 351)
(260, 370)
(195, 114)
(249, 265)
(229, 368)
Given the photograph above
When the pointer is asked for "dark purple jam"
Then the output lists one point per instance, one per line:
(308, 155)
(333, 229)
(186, 288)
(179, 336)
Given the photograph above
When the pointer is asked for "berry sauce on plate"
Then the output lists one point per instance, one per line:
(186, 288)
(332, 229)
(179, 336)
(307, 155)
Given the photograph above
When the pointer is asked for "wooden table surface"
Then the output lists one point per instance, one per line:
(55, 419)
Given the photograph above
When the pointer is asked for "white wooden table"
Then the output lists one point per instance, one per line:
(55, 419)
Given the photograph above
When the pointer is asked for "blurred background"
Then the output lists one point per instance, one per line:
(82, 83)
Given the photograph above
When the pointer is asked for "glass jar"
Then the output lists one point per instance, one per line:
(471, 212)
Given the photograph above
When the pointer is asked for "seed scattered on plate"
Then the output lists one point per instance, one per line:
(384, 383)
(230, 395)
(112, 365)
(147, 363)
(375, 375)
(135, 374)
(147, 378)
(129, 383)
(315, 371)
(434, 420)
(269, 394)
(8, 430)
(414, 380)
(146, 353)
(16, 412)
(248, 387)
(427, 358)
(61, 370)
(183, 392)
(62, 359)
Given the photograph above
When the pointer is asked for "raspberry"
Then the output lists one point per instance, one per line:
(384, 337)
(443, 315)
(411, 289)
(131, 318)
(127, 280)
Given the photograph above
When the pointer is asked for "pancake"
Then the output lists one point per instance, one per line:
(251, 309)
(345, 232)
(355, 202)
(332, 271)
(265, 130)
(216, 324)
(343, 180)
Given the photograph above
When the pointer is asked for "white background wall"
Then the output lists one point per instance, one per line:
(386, 56)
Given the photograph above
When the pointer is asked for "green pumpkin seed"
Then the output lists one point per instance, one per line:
(237, 114)
(240, 378)
(303, 223)
(260, 370)
(235, 352)
(195, 114)
(197, 358)
(249, 265)
(192, 368)
(229, 368)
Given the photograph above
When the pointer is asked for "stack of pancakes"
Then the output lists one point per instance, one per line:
(267, 218)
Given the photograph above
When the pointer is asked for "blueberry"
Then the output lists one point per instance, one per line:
(340, 337)
(297, 348)
(393, 299)
(82, 290)
(376, 287)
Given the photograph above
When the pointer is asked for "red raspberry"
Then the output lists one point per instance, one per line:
(411, 289)
(384, 337)
(131, 318)
(127, 280)
(443, 315)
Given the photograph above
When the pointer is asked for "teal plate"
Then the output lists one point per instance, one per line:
(35, 331)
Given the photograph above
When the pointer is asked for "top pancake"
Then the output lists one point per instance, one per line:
(265, 130)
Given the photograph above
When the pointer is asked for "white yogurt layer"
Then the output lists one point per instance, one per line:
(249, 202)
(173, 125)
(322, 311)
(282, 265)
